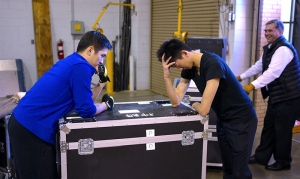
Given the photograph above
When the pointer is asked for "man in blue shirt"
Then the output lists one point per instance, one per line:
(66, 86)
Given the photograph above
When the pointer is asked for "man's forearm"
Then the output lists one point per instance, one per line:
(171, 92)
(97, 89)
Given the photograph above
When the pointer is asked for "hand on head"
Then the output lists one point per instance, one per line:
(166, 66)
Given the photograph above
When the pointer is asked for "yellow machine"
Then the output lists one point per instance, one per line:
(104, 9)
(110, 56)
(178, 34)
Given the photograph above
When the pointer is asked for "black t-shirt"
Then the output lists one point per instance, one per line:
(231, 102)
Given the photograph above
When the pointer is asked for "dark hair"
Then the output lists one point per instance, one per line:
(278, 24)
(171, 48)
(95, 39)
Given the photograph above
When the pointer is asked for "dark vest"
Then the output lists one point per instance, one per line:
(287, 85)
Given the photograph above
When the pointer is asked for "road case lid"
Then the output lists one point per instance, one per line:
(134, 110)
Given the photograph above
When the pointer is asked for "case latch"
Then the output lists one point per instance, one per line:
(186, 99)
(204, 119)
(188, 138)
(64, 128)
(64, 146)
(206, 134)
(85, 146)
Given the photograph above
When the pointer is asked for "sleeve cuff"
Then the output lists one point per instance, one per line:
(254, 83)
(243, 76)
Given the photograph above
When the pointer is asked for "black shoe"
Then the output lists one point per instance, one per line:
(277, 167)
(252, 160)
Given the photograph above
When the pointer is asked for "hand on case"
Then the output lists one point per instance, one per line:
(109, 101)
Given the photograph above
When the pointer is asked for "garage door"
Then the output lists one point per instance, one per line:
(200, 18)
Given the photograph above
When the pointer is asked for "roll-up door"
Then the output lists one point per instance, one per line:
(200, 18)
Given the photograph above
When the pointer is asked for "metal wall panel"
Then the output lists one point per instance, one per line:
(200, 18)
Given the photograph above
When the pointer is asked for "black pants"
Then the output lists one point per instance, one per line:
(276, 136)
(236, 142)
(32, 157)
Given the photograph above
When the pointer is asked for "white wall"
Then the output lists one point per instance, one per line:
(17, 31)
(140, 43)
(243, 37)
(62, 12)
(239, 35)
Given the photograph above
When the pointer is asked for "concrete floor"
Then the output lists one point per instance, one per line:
(258, 171)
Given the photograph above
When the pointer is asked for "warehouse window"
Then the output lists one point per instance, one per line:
(287, 17)
(290, 16)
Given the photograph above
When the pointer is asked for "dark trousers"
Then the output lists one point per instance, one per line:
(32, 157)
(276, 136)
(236, 141)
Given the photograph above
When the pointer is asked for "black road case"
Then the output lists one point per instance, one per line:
(6, 169)
(138, 140)
(214, 157)
(214, 45)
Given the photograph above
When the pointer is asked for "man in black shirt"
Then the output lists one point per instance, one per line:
(237, 120)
